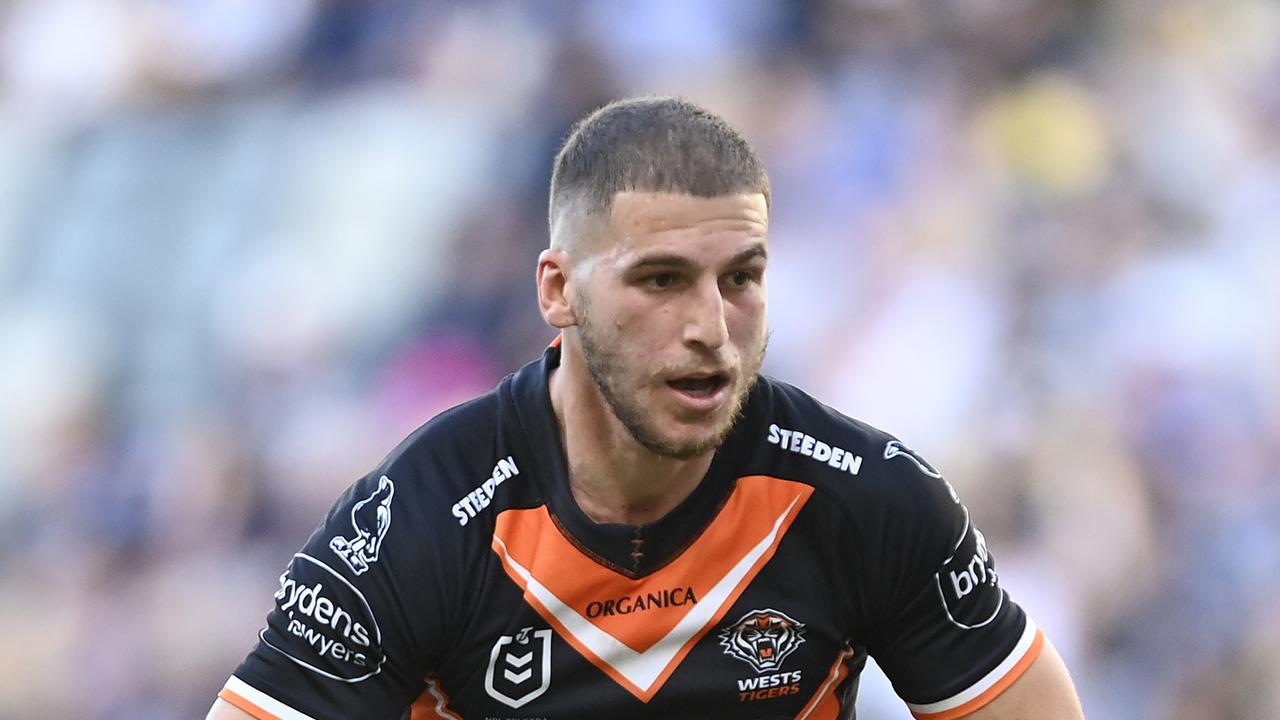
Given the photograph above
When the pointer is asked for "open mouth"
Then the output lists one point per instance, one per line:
(700, 385)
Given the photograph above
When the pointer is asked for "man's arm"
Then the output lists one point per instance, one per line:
(1044, 692)
(223, 710)
(344, 638)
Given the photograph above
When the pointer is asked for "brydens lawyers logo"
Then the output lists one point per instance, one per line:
(763, 639)
(324, 623)
(519, 667)
(371, 518)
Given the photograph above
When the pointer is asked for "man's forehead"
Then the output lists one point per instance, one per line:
(648, 212)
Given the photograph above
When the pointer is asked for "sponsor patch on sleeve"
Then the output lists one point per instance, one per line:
(324, 623)
(967, 583)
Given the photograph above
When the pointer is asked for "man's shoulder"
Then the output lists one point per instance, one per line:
(796, 423)
(860, 465)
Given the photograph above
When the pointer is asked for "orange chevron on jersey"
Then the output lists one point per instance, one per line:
(640, 650)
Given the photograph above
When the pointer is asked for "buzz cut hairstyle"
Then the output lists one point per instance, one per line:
(651, 144)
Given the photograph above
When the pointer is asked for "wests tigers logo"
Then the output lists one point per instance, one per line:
(762, 639)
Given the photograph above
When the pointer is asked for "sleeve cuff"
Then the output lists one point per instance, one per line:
(991, 685)
(257, 703)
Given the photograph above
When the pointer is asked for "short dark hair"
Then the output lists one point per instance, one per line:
(654, 144)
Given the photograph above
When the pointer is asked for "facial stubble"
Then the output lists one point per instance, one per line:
(604, 363)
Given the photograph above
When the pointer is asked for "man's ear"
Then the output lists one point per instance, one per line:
(554, 291)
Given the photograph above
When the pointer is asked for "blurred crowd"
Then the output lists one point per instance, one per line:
(246, 246)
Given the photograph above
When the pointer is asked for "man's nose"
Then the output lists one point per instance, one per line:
(705, 324)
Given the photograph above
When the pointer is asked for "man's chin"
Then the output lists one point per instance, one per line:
(681, 433)
(681, 449)
(692, 441)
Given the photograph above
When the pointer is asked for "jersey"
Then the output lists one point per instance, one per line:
(460, 579)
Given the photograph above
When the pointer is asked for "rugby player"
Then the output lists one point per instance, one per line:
(638, 524)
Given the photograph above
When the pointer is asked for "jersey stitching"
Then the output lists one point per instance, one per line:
(582, 548)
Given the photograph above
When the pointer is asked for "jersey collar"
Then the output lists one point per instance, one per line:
(633, 550)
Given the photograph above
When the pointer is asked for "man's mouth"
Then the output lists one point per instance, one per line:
(700, 385)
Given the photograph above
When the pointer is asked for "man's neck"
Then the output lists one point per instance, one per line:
(615, 479)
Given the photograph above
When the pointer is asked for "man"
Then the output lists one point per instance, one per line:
(637, 525)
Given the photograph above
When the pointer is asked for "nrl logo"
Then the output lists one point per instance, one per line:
(762, 639)
(371, 518)
(519, 667)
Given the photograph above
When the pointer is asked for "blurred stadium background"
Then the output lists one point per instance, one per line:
(246, 246)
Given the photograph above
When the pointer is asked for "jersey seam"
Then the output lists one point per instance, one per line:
(582, 547)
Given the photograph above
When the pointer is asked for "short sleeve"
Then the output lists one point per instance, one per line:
(950, 638)
(352, 612)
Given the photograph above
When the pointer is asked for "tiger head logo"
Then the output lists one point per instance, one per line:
(762, 639)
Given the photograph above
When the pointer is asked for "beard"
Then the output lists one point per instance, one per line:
(607, 363)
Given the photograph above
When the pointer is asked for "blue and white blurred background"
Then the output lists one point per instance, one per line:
(246, 246)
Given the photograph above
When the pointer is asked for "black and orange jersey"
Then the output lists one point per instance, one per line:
(460, 580)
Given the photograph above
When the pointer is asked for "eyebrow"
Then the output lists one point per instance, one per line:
(666, 261)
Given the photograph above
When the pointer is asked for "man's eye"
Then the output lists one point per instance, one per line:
(741, 278)
(661, 280)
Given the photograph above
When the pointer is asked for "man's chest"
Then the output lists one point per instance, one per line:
(747, 624)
